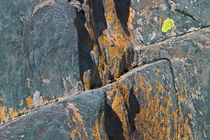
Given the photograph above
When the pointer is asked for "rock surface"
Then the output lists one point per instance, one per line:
(133, 105)
(39, 54)
(144, 63)
(190, 60)
(70, 118)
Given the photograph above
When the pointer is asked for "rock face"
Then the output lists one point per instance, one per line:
(144, 63)
(190, 60)
(71, 117)
(39, 54)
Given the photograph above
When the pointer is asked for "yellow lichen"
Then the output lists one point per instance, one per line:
(168, 24)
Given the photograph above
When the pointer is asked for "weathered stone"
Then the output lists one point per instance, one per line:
(38, 54)
(149, 17)
(112, 41)
(46, 47)
(142, 104)
(190, 61)
(197, 9)
(77, 117)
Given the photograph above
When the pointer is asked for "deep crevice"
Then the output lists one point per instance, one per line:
(122, 9)
(85, 44)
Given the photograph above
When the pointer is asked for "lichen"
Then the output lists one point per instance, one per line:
(168, 24)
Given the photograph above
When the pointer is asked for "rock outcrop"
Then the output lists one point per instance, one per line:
(39, 54)
(104, 69)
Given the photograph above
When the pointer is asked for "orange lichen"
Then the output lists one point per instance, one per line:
(45, 101)
(21, 102)
(190, 116)
(95, 132)
(29, 102)
(204, 133)
(135, 89)
(79, 118)
(28, 85)
(131, 16)
(73, 119)
(73, 132)
(113, 39)
(157, 72)
(119, 106)
(154, 120)
(13, 113)
(6, 114)
(86, 82)
(3, 111)
(22, 136)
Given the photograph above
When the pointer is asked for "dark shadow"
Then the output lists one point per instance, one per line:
(97, 17)
(133, 110)
(127, 59)
(85, 44)
(97, 22)
(113, 125)
(122, 9)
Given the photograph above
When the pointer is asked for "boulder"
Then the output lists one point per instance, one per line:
(38, 54)
(76, 117)
(189, 55)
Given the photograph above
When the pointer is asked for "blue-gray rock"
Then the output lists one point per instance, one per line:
(197, 9)
(155, 21)
(142, 100)
(142, 104)
(190, 61)
(38, 54)
(77, 117)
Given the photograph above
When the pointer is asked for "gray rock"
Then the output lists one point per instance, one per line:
(77, 117)
(142, 103)
(38, 53)
(197, 9)
(149, 17)
(190, 61)
(144, 99)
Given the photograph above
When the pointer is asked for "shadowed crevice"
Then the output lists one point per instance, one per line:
(85, 44)
(113, 125)
(122, 9)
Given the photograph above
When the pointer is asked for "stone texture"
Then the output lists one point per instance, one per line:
(149, 17)
(77, 117)
(112, 52)
(148, 59)
(143, 99)
(38, 54)
(197, 9)
(190, 60)
(142, 104)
